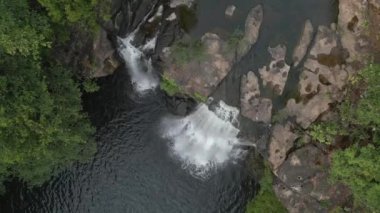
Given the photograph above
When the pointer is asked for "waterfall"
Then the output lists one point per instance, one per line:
(139, 67)
(204, 140)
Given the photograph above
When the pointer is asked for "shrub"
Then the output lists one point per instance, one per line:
(265, 200)
(169, 86)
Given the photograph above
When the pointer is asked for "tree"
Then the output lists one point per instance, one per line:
(359, 168)
(22, 30)
(42, 128)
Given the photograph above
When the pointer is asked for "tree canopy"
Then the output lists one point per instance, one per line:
(42, 125)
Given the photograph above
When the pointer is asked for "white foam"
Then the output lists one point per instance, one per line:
(204, 140)
(140, 69)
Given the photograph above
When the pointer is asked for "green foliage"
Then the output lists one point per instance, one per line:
(266, 200)
(359, 165)
(234, 39)
(90, 86)
(324, 132)
(359, 168)
(366, 111)
(169, 86)
(199, 97)
(22, 30)
(42, 128)
(185, 52)
(70, 12)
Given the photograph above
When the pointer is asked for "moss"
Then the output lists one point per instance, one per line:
(170, 86)
(266, 200)
(199, 97)
(234, 39)
(186, 51)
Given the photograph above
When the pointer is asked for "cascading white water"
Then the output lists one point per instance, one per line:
(140, 69)
(204, 140)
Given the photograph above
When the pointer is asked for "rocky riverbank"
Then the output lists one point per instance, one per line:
(327, 57)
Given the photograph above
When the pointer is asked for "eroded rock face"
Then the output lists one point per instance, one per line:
(104, 56)
(303, 181)
(252, 28)
(295, 202)
(353, 28)
(281, 141)
(253, 106)
(276, 74)
(322, 79)
(304, 42)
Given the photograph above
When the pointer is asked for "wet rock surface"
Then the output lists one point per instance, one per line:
(252, 28)
(276, 73)
(253, 106)
(322, 79)
(304, 42)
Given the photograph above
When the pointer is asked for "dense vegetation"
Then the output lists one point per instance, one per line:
(266, 200)
(357, 165)
(42, 126)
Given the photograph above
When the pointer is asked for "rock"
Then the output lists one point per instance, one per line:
(294, 202)
(176, 3)
(304, 180)
(202, 76)
(322, 79)
(252, 106)
(171, 17)
(230, 10)
(276, 74)
(282, 139)
(352, 21)
(252, 29)
(303, 44)
(103, 56)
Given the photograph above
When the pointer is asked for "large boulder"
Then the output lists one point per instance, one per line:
(281, 141)
(304, 182)
(253, 106)
(252, 28)
(203, 76)
(303, 43)
(104, 57)
(276, 74)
